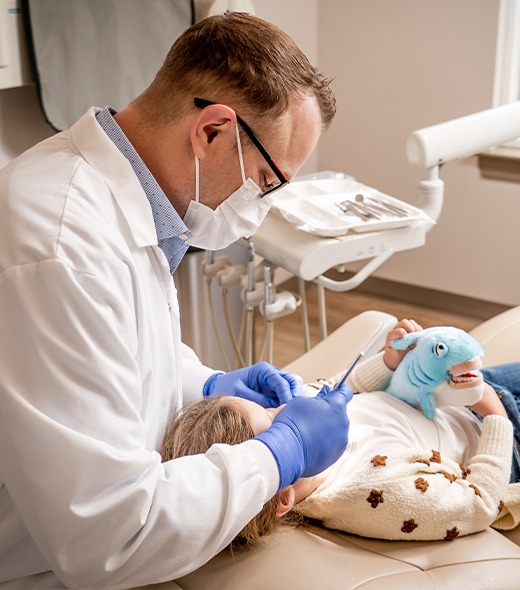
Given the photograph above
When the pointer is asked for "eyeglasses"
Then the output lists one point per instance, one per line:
(282, 180)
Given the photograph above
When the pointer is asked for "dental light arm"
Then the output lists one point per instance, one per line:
(433, 146)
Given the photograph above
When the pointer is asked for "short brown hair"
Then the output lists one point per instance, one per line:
(239, 56)
(207, 422)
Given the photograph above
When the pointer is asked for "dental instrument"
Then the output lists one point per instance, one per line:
(381, 206)
(341, 382)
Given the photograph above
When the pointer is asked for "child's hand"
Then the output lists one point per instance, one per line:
(393, 357)
(489, 403)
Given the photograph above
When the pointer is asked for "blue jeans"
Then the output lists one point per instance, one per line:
(505, 380)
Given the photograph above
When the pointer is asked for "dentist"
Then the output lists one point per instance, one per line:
(93, 223)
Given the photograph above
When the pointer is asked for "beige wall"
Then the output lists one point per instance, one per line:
(298, 18)
(398, 65)
(401, 65)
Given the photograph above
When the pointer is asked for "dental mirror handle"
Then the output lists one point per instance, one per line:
(348, 371)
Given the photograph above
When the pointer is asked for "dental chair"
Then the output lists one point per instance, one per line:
(312, 557)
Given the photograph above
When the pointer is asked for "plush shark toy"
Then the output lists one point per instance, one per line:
(442, 369)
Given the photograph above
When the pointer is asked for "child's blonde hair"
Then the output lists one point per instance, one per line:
(207, 422)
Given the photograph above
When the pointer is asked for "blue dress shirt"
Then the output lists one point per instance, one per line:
(172, 232)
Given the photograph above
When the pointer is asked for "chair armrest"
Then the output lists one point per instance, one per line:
(499, 337)
(366, 332)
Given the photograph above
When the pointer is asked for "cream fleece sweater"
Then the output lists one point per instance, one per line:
(404, 491)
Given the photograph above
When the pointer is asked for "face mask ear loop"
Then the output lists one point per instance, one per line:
(197, 187)
(240, 156)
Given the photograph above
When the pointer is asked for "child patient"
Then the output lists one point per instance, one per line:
(402, 476)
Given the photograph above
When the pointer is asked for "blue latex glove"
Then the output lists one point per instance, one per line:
(261, 383)
(309, 434)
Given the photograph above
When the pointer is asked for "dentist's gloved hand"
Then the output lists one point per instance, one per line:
(309, 434)
(261, 383)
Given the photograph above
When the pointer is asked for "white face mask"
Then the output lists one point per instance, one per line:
(239, 216)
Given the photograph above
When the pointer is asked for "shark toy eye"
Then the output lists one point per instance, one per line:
(440, 349)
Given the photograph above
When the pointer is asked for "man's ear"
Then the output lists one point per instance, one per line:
(214, 123)
(285, 501)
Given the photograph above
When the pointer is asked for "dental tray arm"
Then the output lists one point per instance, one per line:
(430, 193)
(310, 257)
(355, 280)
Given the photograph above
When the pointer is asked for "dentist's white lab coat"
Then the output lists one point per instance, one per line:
(91, 369)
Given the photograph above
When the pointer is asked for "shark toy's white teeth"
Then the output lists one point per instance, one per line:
(466, 374)
(468, 379)
(465, 377)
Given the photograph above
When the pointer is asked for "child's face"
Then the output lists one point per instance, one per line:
(259, 417)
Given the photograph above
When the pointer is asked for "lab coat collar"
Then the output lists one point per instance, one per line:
(94, 145)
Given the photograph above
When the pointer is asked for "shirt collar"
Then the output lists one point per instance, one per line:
(172, 232)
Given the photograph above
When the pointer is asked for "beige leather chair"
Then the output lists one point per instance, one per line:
(312, 557)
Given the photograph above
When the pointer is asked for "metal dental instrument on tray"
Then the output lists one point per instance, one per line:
(370, 207)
